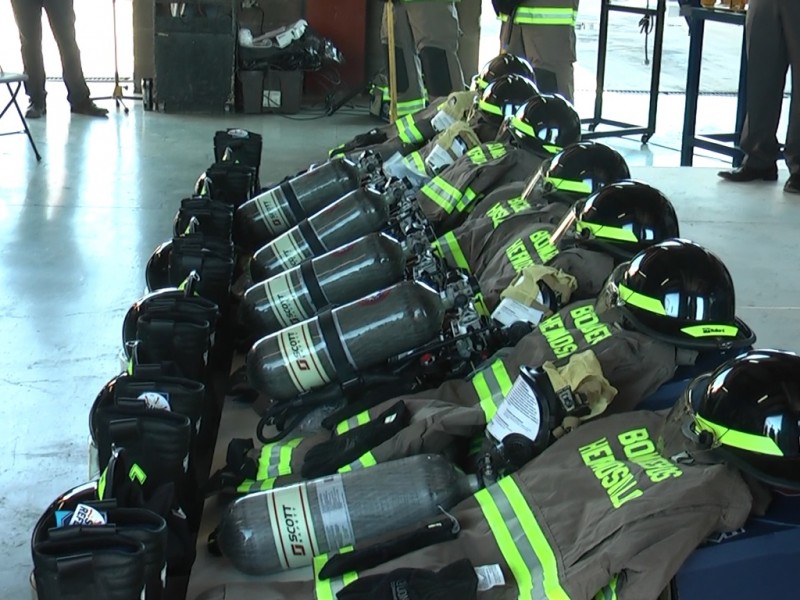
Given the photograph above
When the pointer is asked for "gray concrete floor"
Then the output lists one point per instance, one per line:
(76, 231)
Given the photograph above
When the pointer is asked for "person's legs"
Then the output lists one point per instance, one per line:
(61, 15)
(434, 25)
(410, 90)
(511, 39)
(790, 11)
(28, 15)
(766, 78)
(551, 50)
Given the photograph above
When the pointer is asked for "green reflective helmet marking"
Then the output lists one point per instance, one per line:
(566, 185)
(490, 108)
(607, 232)
(520, 125)
(711, 330)
(638, 300)
(738, 439)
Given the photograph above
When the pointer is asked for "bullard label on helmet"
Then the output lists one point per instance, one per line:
(271, 207)
(293, 528)
(288, 309)
(301, 358)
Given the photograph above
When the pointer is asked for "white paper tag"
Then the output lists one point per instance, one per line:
(155, 400)
(393, 165)
(292, 526)
(518, 413)
(442, 121)
(510, 311)
(439, 159)
(271, 99)
(489, 576)
(335, 513)
(86, 515)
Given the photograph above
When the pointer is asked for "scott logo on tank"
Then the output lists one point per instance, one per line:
(296, 348)
(295, 539)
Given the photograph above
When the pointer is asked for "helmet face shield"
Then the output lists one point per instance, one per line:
(534, 190)
(566, 227)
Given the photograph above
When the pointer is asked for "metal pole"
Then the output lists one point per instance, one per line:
(392, 62)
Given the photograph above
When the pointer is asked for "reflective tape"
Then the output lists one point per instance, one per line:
(415, 162)
(448, 248)
(407, 130)
(275, 459)
(465, 204)
(261, 485)
(525, 15)
(442, 193)
(521, 541)
(327, 589)
(609, 592)
(360, 419)
(491, 384)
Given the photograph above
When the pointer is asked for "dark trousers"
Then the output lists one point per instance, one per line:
(60, 13)
(773, 45)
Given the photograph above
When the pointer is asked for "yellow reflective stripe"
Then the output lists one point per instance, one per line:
(527, 15)
(365, 461)
(647, 303)
(447, 195)
(467, 200)
(606, 232)
(454, 249)
(609, 592)
(101, 484)
(492, 384)
(480, 305)
(505, 542)
(410, 106)
(275, 459)
(260, 485)
(415, 162)
(711, 330)
(328, 589)
(353, 422)
(537, 539)
(739, 439)
(407, 130)
(521, 541)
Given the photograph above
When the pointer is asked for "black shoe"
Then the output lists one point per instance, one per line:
(792, 185)
(742, 174)
(35, 111)
(89, 108)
